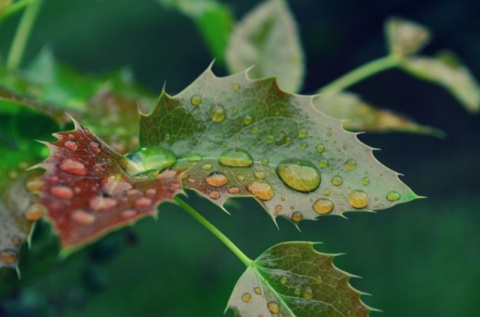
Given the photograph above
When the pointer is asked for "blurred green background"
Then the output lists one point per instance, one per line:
(418, 259)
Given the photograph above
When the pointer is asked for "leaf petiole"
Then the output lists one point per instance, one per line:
(360, 73)
(246, 260)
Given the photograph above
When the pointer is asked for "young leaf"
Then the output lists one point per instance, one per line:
(268, 38)
(292, 279)
(405, 37)
(87, 193)
(238, 137)
(448, 71)
(360, 116)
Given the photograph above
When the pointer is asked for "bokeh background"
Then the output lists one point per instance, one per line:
(418, 259)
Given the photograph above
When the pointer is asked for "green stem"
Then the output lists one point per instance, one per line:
(247, 261)
(21, 36)
(14, 8)
(359, 74)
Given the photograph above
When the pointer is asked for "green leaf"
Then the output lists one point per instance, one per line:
(234, 137)
(360, 116)
(214, 20)
(267, 38)
(292, 279)
(405, 37)
(448, 71)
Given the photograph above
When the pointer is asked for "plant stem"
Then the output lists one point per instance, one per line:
(14, 8)
(21, 36)
(360, 73)
(247, 261)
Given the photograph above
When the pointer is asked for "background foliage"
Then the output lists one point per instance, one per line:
(417, 259)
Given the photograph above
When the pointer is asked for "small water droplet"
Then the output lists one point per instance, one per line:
(8, 256)
(288, 140)
(303, 133)
(246, 297)
(215, 194)
(62, 192)
(81, 217)
(303, 146)
(216, 179)
(350, 164)
(113, 185)
(257, 291)
(241, 178)
(299, 175)
(95, 146)
(323, 206)
(234, 190)
(143, 202)
(297, 291)
(35, 212)
(236, 87)
(102, 204)
(73, 167)
(327, 191)
(265, 161)
(196, 100)
(323, 163)
(337, 180)
(307, 293)
(260, 175)
(236, 157)
(270, 139)
(284, 280)
(166, 174)
(358, 199)
(278, 208)
(254, 130)
(318, 280)
(150, 192)
(320, 148)
(297, 216)
(273, 307)
(217, 113)
(129, 213)
(365, 181)
(167, 136)
(16, 241)
(71, 145)
(393, 196)
(207, 166)
(261, 190)
(247, 119)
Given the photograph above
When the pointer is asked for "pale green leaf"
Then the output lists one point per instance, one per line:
(292, 279)
(267, 38)
(405, 37)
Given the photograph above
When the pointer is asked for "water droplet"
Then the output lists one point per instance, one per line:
(143, 202)
(234, 190)
(257, 290)
(247, 119)
(167, 136)
(288, 140)
(71, 145)
(297, 291)
(215, 194)
(149, 158)
(358, 199)
(273, 307)
(303, 146)
(102, 204)
(241, 178)
(151, 192)
(207, 166)
(236, 157)
(278, 208)
(307, 293)
(265, 161)
(217, 113)
(303, 133)
(196, 100)
(129, 213)
(261, 190)
(113, 185)
(216, 179)
(318, 280)
(329, 133)
(35, 212)
(270, 139)
(350, 165)
(95, 146)
(337, 180)
(8, 256)
(320, 148)
(327, 191)
(246, 297)
(284, 280)
(260, 175)
(393, 196)
(254, 130)
(323, 163)
(365, 181)
(73, 167)
(82, 217)
(166, 174)
(299, 175)
(62, 192)
(323, 206)
(297, 216)
(16, 241)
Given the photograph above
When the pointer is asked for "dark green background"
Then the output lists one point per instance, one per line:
(418, 259)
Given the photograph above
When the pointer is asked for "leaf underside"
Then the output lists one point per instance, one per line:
(214, 115)
(292, 279)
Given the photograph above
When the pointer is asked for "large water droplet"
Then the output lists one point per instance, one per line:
(273, 307)
(323, 206)
(217, 113)
(35, 212)
(149, 158)
(62, 192)
(337, 180)
(297, 216)
(236, 157)
(196, 100)
(358, 199)
(216, 179)
(246, 297)
(81, 217)
(350, 165)
(299, 175)
(261, 190)
(393, 196)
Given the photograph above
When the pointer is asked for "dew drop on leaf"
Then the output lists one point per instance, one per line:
(358, 199)
(102, 204)
(337, 180)
(299, 175)
(247, 119)
(323, 163)
(71, 145)
(393, 196)
(234, 190)
(246, 297)
(236, 87)
(82, 217)
(95, 146)
(284, 280)
(323, 206)
(260, 175)
(196, 100)
(350, 165)
(215, 194)
(297, 216)
(297, 291)
(273, 307)
(261, 190)
(216, 179)
(303, 133)
(320, 148)
(365, 181)
(307, 293)
(194, 158)
(35, 212)
(270, 139)
(8, 256)
(207, 166)
(62, 192)
(143, 202)
(217, 113)
(257, 291)
(73, 167)
(254, 130)
(236, 157)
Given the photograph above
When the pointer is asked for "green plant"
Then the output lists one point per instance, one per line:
(219, 137)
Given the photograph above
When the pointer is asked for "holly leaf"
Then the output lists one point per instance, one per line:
(239, 137)
(292, 279)
(268, 38)
(360, 116)
(448, 71)
(87, 193)
(405, 37)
